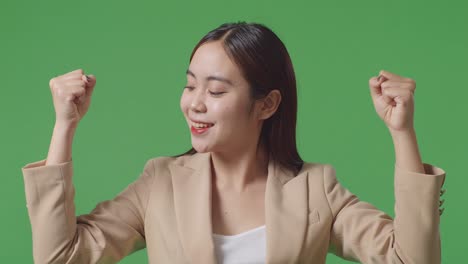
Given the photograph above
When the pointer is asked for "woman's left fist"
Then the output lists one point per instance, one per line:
(393, 100)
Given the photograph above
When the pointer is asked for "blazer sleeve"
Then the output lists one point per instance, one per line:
(112, 230)
(361, 232)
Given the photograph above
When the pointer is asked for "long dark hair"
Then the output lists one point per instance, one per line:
(265, 63)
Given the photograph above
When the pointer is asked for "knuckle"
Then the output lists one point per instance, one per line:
(411, 86)
(51, 82)
(81, 84)
(411, 81)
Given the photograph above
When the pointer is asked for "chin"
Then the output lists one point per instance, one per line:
(201, 148)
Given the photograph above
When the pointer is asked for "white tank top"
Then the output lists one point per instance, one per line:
(247, 247)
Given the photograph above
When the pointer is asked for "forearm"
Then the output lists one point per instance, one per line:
(407, 155)
(60, 149)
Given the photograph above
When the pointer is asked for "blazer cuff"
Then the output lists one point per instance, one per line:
(40, 163)
(420, 189)
(40, 179)
(433, 176)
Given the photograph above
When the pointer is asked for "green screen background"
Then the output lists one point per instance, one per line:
(139, 52)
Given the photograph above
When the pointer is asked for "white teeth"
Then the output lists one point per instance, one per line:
(200, 125)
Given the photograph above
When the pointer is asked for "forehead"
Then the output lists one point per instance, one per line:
(211, 59)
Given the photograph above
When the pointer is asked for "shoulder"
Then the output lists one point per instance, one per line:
(318, 171)
(161, 165)
(164, 162)
(157, 169)
(320, 176)
(323, 182)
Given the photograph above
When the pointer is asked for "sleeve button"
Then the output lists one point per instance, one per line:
(442, 192)
(441, 202)
(441, 211)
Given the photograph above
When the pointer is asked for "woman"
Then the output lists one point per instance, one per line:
(242, 194)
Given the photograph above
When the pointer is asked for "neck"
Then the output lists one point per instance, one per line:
(240, 171)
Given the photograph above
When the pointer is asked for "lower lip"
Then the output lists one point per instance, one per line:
(198, 131)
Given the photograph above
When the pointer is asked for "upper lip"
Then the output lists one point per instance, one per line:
(198, 121)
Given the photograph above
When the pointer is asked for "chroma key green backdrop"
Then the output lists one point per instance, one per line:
(139, 52)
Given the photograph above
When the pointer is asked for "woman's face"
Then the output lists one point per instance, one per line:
(216, 102)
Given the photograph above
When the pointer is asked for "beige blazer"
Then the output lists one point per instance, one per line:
(167, 210)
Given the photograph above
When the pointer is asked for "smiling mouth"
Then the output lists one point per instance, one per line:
(199, 130)
(198, 125)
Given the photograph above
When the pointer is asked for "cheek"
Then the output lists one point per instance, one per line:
(230, 113)
(222, 111)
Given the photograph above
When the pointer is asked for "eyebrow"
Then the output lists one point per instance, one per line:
(212, 78)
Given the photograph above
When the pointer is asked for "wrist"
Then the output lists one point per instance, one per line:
(406, 133)
(407, 155)
(65, 126)
(61, 144)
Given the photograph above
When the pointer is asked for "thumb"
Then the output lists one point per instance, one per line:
(90, 84)
(375, 89)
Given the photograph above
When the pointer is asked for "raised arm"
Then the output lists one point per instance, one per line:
(115, 228)
(71, 94)
(360, 231)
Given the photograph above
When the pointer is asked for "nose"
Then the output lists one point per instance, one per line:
(198, 105)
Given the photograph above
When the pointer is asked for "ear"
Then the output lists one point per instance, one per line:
(267, 106)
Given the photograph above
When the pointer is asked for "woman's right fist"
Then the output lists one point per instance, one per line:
(71, 94)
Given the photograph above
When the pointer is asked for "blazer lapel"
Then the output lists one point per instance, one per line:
(285, 210)
(192, 201)
(285, 214)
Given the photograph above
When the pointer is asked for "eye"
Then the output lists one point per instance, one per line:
(190, 88)
(216, 93)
